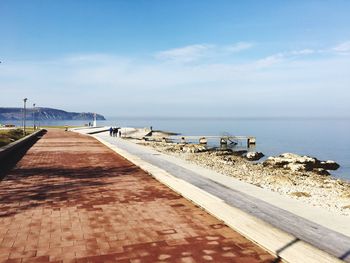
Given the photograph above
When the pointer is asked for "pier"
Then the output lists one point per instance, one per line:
(203, 139)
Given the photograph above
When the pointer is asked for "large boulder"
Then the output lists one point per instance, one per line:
(254, 156)
(329, 165)
(321, 171)
(285, 159)
(300, 163)
(295, 167)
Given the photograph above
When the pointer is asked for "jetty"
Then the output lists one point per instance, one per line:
(148, 134)
(203, 139)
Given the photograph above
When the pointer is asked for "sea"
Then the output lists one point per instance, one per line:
(323, 138)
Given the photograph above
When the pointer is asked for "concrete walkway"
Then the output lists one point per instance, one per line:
(317, 227)
(71, 199)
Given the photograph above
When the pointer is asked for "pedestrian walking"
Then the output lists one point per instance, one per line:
(110, 131)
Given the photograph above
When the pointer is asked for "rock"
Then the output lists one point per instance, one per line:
(345, 195)
(329, 165)
(194, 148)
(295, 162)
(227, 160)
(321, 171)
(300, 194)
(295, 167)
(239, 153)
(254, 156)
(295, 158)
(223, 152)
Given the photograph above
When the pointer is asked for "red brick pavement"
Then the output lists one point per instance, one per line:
(71, 199)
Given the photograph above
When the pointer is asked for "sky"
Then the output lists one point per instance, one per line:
(198, 58)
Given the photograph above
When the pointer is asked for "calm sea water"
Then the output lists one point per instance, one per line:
(326, 139)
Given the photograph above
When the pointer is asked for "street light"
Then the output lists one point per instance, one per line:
(38, 115)
(24, 116)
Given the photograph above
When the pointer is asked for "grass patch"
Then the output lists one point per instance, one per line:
(11, 135)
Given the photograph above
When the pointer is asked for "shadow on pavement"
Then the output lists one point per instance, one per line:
(10, 161)
(84, 187)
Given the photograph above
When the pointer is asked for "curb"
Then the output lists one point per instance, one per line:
(6, 150)
(280, 243)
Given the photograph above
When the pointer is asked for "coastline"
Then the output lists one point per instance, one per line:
(320, 191)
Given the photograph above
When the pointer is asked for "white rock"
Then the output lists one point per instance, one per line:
(254, 156)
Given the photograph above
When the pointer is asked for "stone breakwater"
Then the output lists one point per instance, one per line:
(300, 177)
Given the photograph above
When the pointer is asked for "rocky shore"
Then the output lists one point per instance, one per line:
(301, 177)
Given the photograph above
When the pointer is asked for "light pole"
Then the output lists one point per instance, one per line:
(24, 116)
(38, 117)
(34, 116)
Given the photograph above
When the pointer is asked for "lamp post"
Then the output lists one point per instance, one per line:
(38, 117)
(24, 115)
(34, 116)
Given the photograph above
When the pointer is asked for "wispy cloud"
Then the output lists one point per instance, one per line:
(200, 51)
(185, 54)
(282, 56)
(301, 52)
(343, 48)
(238, 47)
(117, 84)
(270, 60)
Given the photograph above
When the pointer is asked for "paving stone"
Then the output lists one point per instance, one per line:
(71, 199)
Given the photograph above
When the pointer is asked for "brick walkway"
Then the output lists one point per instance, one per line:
(71, 199)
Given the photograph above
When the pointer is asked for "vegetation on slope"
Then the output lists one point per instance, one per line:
(10, 135)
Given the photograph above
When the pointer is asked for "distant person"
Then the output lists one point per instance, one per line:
(120, 133)
(115, 132)
(110, 131)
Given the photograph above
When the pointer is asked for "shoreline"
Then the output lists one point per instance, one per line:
(246, 208)
(322, 191)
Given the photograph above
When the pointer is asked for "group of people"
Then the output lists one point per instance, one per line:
(115, 132)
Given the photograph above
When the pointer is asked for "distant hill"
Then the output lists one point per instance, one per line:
(15, 114)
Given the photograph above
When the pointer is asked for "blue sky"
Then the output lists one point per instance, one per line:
(178, 58)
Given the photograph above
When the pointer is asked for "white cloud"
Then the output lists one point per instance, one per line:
(184, 54)
(343, 48)
(114, 85)
(240, 46)
(197, 52)
(302, 52)
(270, 60)
(282, 56)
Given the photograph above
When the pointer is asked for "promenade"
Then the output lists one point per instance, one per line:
(290, 224)
(71, 199)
